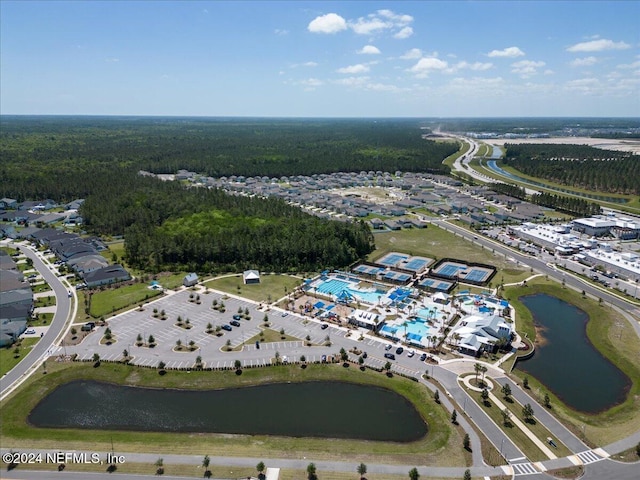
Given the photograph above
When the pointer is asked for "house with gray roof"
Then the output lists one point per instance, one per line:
(106, 276)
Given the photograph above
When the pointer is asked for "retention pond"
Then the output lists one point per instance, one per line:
(567, 362)
(309, 409)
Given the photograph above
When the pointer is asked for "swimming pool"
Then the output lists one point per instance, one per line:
(338, 287)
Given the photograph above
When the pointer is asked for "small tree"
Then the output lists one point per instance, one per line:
(107, 334)
(454, 417)
(160, 466)
(260, 468)
(179, 344)
(414, 474)
(506, 415)
(125, 354)
(506, 391)
(362, 470)
(387, 367)
(638, 449)
(205, 464)
(139, 340)
(74, 331)
(237, 364)
(151, 340)
(467, 475)
(303, 358)
(485, 395)
(361, 361)
(525, 383)
(547, 400)
(436, 396)
(344, 356)
(96, 358)
(209, 327)
(265, 319)
(527, 413)
(161, 365)
(311, 472)
(199, 360)
(192, 345)
(466, 442)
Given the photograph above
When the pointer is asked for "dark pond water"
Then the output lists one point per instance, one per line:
(568, 363)
(310, 409)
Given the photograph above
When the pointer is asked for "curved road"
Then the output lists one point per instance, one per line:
(63, 306)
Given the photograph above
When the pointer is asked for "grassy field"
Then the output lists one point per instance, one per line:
(614, 338)
(43, 319)
(270, 287)
(464, 148)
(441, 447)
(437, 243)
(8, 357)
(47, 301)
(114, 299)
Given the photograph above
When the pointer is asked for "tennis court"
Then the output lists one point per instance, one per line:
(416, 264)
(477, 275)
(392, 259)
(450, 269)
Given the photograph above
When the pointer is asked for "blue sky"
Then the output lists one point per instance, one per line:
(321, 59)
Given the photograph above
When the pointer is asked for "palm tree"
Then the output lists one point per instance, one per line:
(483, 369)
(413, 474)
(362, 470)
(478, 368)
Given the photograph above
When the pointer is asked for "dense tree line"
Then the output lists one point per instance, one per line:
(572, 205)
(59, 157)
(578, 166)
(509, 189)
(169, 227)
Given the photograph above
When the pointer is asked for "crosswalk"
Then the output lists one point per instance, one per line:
(589, 456)
(524, 469)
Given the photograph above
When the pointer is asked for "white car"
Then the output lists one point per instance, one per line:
(410, 353)
(30, 331)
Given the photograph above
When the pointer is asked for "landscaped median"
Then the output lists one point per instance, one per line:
(442, 446)
(527, 434)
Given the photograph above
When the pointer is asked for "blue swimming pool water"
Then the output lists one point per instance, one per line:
(336, 287)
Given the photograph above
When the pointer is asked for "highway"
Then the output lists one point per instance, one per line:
(58, 324)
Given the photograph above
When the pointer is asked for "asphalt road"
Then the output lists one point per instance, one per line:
(63, 303)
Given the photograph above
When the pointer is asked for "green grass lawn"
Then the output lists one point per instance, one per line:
(270, 287)
(8, 357)
(464, 148)
(48, 301)
(613, 337)
(269, 336)
(441, 447)
(114, 299)
(437, 243)
(42, 320)
(43, 287)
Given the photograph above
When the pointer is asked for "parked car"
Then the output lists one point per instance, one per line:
(284, 314)
(87, 327)
(237, 317)
(258, 344)
(227, 327)
(30, 331)
(390, 356)
(235, 323)
(388, 347)
(364, 355)
(324, 326)
(410, 353)
(399, 350)
(423, 357)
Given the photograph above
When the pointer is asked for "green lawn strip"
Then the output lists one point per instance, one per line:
(270, 288)
(437, 243)
(43, 319)
(8, 357)
(517, 436)
(464, 148)
(610, 335)
(43, 287)
(48, 301)
(441, 447)
(269, 336)
(536, 428)
(628, 456)
(171, 281)
(112, 300)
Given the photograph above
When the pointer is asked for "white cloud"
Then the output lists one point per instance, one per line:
(425, 65)
(369, 50)
(406, 32)
(329, 23)
(526, 68)
(476, 66)
(412, 54)
(281, 32)
(383, 21)
(381, 87)
(598, 46)
(584, 62)
(632, 65)
(354, 69)
(352, 81)
(111, 59)
(509, 52)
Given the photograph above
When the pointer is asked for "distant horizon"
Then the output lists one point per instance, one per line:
(318, 59)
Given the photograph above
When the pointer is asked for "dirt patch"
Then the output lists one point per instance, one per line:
(541, 340)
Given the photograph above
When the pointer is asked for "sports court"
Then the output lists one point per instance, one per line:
(392, 259)
(457, 270)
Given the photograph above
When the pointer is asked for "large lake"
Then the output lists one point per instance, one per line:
(309, 409)
(567, 362)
